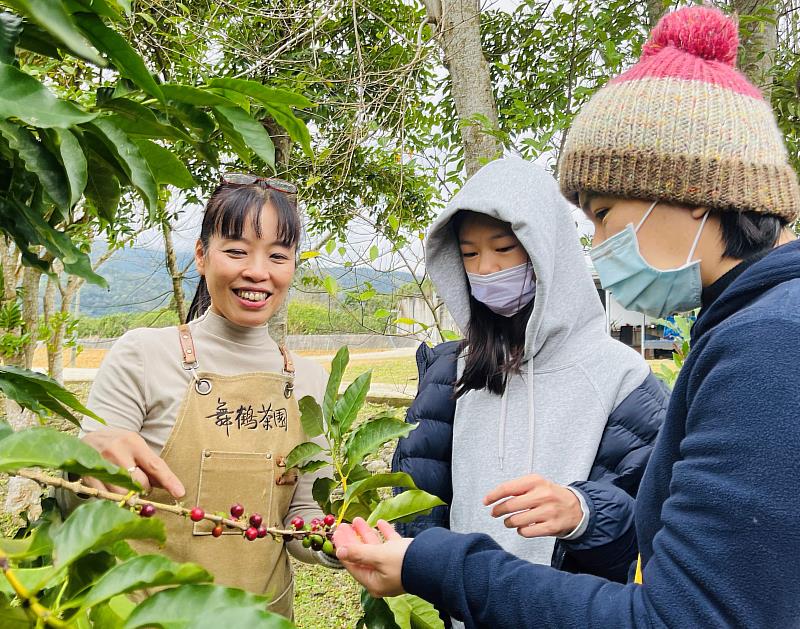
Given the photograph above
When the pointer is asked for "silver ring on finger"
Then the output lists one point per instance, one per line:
(132, 469)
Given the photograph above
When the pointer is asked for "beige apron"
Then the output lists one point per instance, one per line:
(228, 445)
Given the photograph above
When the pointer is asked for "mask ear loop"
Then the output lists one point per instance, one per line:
(697, 237)
(646, 214)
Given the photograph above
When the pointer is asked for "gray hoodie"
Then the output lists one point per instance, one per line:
(552, 415)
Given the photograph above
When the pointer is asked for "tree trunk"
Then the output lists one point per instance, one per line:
(172, 268)
(30, 312)
(459, 35)
(278, 325)
(759, 40)
(55, 329)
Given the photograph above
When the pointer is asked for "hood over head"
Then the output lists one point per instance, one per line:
(567, 310)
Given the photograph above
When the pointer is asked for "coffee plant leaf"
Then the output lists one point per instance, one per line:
(99, 524)
(141, 572)
(53, 449)
(185, 606)
(396, 479)
(347, 406)
(404, 507)
(301, 453)
(311, 417)
(414, 613)
(370, 436)
(338, 365)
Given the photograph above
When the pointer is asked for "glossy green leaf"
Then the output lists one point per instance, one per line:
(373, 253)
(413, 612)
(27, 227)
(166, 168)
(311, 417)
(369, 436)
(104, 8)
(102, 187)
(307, 255)
(53, 449)
(405, 506)
(312, 466)
(73, 160)
(262, 93)
(377, 614)
(321, 492)
(52, 17)
(125, 59)
(39, 161)
(299, 454)
(396, 479)
(234, 138)
(10, 29)
(184, 606)
(194, 96)
(246, 617)
(97, 524)
(350, 402)
(297, 128)
(37, 544)
(38, 40)
(130, 159)
(338, 365)
(141, 572)
(28, 577)
(139, 121)
(449, 335)
(39, 392)
(251, 131)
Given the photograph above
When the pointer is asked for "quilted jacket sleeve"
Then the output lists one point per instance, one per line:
(425, 454)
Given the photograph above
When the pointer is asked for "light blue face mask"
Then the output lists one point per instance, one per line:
(637, 285)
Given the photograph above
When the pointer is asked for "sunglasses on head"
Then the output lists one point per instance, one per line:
(246, 179)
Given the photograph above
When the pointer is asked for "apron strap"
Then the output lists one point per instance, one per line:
(187, 346)
(288, 371)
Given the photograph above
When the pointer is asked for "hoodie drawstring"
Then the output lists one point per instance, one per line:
(531, 421)
(501, 430)
(501, 436)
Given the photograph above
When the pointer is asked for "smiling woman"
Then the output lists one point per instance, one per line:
(208, 411)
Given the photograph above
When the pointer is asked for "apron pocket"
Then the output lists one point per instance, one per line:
(230, 477)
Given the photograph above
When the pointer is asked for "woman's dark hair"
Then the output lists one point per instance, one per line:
(495, 348)
(745, 234)
(495, 344)
(229, 206)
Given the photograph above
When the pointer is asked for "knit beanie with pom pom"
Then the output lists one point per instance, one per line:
(683, 126)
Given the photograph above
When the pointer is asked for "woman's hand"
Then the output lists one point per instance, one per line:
(540, 507)
(127, 449)
(374, 564)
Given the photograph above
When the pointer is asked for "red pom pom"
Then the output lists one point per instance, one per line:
(701, 31)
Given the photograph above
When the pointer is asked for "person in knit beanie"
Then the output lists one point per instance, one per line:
(680, 165)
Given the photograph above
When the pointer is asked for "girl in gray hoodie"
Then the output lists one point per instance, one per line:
(553, 420)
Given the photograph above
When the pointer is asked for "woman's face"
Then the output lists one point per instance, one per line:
(488, 245)
(247, 278)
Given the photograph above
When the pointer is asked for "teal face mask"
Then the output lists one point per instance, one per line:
(637, 285)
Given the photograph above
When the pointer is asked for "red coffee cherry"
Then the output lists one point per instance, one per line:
(256, 520)
(329, 520)
(147, 511)
(237, 510)
(216, 531)
(197, 514)
(298, 523)
(251, 533)
(262, 531)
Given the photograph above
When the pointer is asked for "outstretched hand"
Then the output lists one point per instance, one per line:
(128, 449)
(375, 564)
(539, 507)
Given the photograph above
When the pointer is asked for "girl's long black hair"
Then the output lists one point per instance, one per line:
(495, 345)
(229, 206)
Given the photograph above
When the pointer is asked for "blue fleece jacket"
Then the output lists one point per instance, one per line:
(717, 511)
